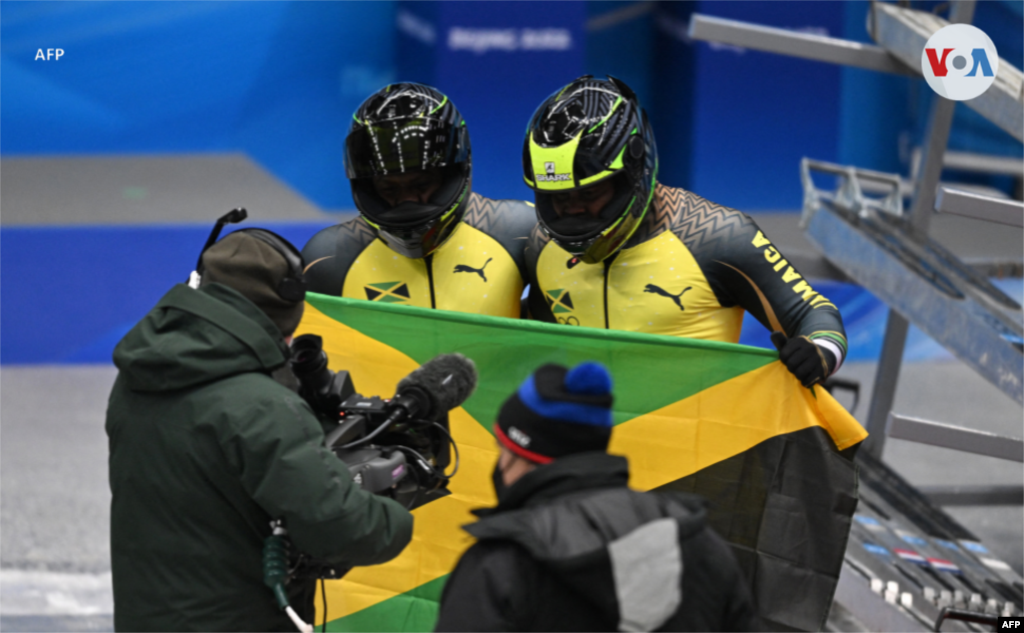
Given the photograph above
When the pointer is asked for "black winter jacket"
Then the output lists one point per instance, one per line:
(571, 548)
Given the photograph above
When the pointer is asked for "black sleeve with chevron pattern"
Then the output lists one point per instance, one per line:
(744, 268)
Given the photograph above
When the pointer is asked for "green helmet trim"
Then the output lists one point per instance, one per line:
(611, 171)
(597, 255)
(615, 106)
(546, 161)
(621, 218)
(529, 183)
(444, 216)
(440, 105)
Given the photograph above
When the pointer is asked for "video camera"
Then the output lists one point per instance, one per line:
(397, 447)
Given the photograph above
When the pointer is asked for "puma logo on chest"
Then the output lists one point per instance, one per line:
(658, 290)
(463, 268)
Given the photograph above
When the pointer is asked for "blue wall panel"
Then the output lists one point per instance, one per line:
(623, 48)
(276, 80)
(479, 57)
(757, 114)
(69, 294)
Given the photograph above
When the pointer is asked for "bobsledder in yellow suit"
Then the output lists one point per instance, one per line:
(480, 269)
(691, 269)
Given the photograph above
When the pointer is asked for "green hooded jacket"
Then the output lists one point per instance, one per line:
(205, 449)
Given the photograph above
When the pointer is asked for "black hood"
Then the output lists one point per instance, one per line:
(578, 519)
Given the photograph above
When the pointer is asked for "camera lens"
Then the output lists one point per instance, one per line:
(309, 362)
(308, 356)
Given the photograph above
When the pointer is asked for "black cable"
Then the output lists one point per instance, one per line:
(323, 594)
(454, 446)
(417, 454)
(377, 431)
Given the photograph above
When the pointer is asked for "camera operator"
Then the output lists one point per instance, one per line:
(207, 449)
(569, 547)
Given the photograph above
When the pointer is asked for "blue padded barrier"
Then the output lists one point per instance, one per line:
(69, 294)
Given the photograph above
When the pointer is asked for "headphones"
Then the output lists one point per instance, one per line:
(293, 286)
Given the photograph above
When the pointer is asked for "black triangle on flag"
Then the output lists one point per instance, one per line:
(401, 291)
(372, 294)
(566, 301)
(756, 514)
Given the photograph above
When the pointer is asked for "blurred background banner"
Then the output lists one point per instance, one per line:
(275, 84)
(496, 61)
(276, 80)
(279, 81)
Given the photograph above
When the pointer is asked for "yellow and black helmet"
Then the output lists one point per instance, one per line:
(590, 131)
(402, 128)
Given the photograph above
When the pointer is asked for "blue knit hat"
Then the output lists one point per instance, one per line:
(557, 412)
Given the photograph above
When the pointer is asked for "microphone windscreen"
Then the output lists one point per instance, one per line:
(449, 379)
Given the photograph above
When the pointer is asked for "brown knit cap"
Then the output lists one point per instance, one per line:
(254, 268)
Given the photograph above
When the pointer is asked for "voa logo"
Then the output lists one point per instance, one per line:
(959, 62)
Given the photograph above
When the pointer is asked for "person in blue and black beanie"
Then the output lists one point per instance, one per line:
(570, 547)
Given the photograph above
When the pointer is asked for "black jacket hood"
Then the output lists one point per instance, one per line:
(572, 513)
(196, 336)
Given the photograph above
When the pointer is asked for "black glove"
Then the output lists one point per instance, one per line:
(808, 362)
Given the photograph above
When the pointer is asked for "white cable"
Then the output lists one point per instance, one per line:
(305, 628)
(280, 530)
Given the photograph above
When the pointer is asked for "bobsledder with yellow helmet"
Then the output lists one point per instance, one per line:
(423, 237)
(590, 132)
(615, 249)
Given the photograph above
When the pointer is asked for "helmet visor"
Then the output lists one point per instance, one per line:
(580, 227)
(403, 145)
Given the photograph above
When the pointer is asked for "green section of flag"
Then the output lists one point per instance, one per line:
(650, 372)
(414, 610)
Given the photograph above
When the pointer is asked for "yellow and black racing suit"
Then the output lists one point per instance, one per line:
(479, 269)
(691, 270)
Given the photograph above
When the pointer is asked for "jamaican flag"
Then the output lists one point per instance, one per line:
(724, 421)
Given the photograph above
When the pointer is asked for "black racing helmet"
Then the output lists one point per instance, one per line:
(587, 132)
(402, 128)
